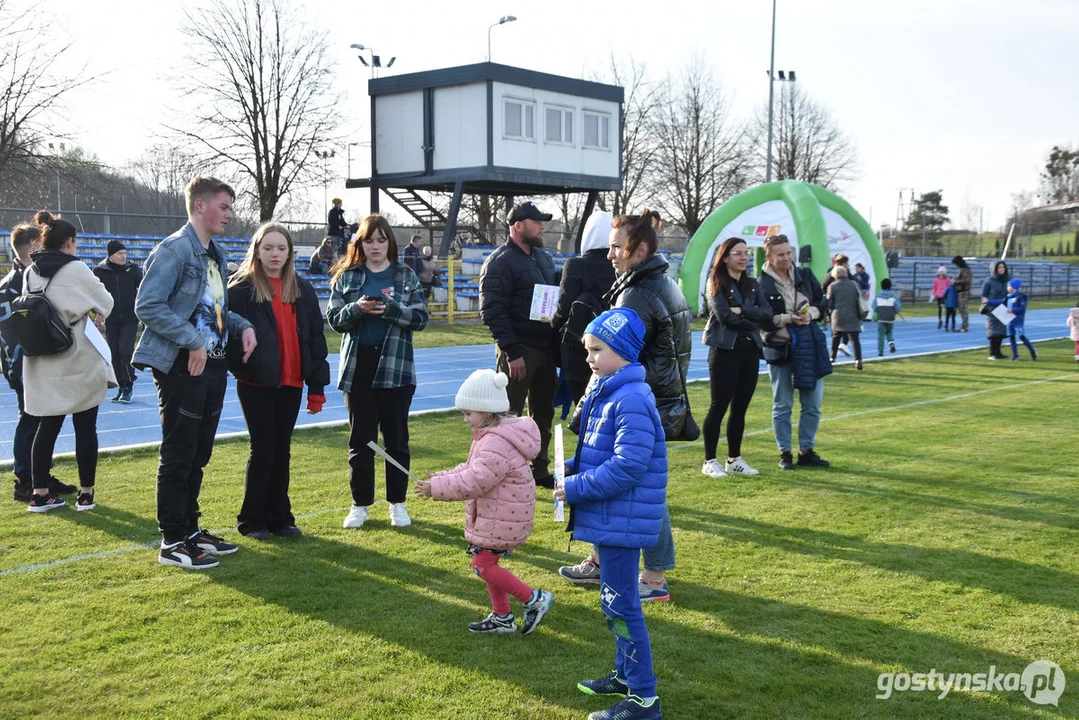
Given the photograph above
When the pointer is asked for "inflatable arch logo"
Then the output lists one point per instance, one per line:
(807, 214)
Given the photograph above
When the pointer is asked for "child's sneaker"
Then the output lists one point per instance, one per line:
(738, 466)
(187, 555)
(498, 624)
(653, 592)
(891, 346)
(85, 501)
(535, 609)
(711, 468)
(211, 543)
(610, 685)
(632, 708)
(587, 573)
(44, 503)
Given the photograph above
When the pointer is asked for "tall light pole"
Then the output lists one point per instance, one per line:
(376, 60)
(783, 76)
(501, 21)
(325, 156)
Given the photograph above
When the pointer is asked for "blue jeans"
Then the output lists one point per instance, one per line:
(659, 557)
(621, 604)
(783, 403)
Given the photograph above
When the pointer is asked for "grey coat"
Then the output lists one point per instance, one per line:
(843, 297)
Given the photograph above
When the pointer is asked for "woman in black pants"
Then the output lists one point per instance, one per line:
(738, 311)
(285, 312)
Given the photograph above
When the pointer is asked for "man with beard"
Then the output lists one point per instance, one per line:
(525, 350)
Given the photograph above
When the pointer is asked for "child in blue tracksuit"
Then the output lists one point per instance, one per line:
(1016, 302)
(886, 306)
(616, 486)
(951, 303)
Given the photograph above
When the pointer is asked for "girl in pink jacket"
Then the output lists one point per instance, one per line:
(500, 497)
(1073, 323)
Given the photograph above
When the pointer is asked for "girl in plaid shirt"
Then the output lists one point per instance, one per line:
(376, 302)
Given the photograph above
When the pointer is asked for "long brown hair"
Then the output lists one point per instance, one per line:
(55, 231)
(251, 268)
(354, 255)
(639, 229)
(720, 280)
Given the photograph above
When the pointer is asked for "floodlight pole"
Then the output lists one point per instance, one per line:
(771, 96)
(501, 21)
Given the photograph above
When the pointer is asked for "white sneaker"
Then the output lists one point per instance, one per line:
(357, 516)
(399, 516)
(711, 468)
(843, 349)
(740, 466)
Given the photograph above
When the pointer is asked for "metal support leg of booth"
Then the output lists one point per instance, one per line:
(451, 221)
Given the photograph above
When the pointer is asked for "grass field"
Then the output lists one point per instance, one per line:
(943, 537)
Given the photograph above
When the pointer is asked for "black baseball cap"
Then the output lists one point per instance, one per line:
(526, 211)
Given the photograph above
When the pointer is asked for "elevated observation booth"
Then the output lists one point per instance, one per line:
(489, 129)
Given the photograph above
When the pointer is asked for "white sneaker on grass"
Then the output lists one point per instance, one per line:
(399, 515)
(357, 516)
(738, 466)
(712, 468)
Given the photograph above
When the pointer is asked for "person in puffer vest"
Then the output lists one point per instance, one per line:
(616, 485)
(500, 497)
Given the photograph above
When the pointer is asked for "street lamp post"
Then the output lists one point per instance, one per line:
(501, 21)
(783, 76)
(376, 60)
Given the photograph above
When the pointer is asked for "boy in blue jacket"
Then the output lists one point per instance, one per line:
(616, 486)
(1016, 303)
(886, 306)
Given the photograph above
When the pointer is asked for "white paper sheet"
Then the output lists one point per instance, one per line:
(1001, 313)
(544, 302)
(559, 472)
(98, 341)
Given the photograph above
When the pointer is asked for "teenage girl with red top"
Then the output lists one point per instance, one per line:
(285, 312)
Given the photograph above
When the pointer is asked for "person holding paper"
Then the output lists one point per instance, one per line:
(73, 382)
(994, 293)
(525, 342)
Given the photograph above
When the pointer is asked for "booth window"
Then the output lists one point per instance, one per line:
(558, 125)
(519, 120)
(597, 130)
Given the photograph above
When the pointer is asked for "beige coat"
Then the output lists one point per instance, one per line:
(78, 378)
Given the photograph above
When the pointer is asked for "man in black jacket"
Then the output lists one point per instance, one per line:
(412, 254)
(121, 278)
(524, 346)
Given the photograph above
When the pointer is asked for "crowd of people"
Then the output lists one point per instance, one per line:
(620, 341)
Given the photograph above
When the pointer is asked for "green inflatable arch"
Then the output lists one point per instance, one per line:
(807, 214)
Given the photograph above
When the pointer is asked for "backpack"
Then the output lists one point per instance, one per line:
(35, 326)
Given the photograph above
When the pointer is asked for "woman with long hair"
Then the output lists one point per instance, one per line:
(284, 310)
(995, 292)
(73, 382)
(737, 311)
(376, 303)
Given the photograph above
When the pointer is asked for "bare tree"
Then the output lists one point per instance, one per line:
(701, 159)
(30, 87)
(260, 89)
(162, 171)
(807, 143)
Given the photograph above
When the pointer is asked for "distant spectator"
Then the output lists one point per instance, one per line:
(995, 292)
(336, 226)
(428, 272)
(940, 286)
(962, 284)
(951, 302)
(843, 298)
(1073, 323)
(861, 277)
(322, 258)
(412, 254)
(121, 278)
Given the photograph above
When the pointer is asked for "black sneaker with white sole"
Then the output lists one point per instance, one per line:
(497, 624)
(185, 554)
(60, 488)
(211, 543)
(44, 503)
(85, 501)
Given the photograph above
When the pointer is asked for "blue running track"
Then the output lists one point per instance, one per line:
(442, 370)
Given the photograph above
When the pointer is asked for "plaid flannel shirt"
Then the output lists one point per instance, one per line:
(406, 312)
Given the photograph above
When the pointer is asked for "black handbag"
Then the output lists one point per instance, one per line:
(777, 354)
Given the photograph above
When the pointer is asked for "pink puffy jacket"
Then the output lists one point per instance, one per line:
(1073, 323)
(496, 484)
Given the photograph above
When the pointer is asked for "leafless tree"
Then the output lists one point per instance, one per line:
(163, 171)
(701, 158)
(31, 88)
(807, 144)
(260, 95)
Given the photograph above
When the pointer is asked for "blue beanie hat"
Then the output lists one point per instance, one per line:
(1016, 283)
(621, 329)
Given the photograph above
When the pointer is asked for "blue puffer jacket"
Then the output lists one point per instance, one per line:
(617, 483)
(810, 360)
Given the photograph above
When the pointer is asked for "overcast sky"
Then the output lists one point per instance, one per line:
(966, 96)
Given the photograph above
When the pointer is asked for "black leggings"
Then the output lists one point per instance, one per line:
(732, 376)
(48, 430)
(994, 346)
(855, 343)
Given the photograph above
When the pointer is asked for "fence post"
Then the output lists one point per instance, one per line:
(451, 300)
(914, 284)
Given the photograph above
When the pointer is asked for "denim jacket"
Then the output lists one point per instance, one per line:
(174, 280)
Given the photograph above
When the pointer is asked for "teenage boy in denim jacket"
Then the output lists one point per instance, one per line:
(183, 303)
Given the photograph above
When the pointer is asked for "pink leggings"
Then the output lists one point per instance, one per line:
(501, 583)
(1077, 348)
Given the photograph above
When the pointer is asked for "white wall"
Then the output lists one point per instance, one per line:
(460, 126)
(399, 132)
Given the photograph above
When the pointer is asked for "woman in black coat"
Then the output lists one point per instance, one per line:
(737, 312)
(995, 292)
(291, 353)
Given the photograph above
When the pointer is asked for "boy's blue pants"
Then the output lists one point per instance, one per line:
(620, 599)
(1015, 330)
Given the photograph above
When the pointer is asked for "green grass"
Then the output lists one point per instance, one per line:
(944, 536)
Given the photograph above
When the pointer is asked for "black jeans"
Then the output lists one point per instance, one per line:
(539, 386)
(855, 343)
(121, 337)
(48, 430)
(23, 439)
(732, 376)
(190, 408)
(270, 414)
(994, 346)
(368, 410)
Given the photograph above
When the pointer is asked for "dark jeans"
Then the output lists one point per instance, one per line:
(949, 317)
(855, 343)
(23, 440)
(48, 430)
(190, 408)
(732, 375)
(538, 385)
(994, 346)
(270, 414)
(370, 409)
(121, 337)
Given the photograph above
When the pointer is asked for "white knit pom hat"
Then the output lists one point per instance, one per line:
(484, 391)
